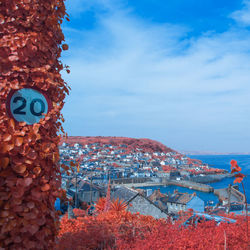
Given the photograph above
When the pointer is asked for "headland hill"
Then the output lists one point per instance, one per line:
(129, 161)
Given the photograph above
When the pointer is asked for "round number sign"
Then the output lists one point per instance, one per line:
(27, 105)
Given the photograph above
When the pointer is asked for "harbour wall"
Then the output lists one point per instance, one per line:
(190, 184)
(147, 182)
(232, 194)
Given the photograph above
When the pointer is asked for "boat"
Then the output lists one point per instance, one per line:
(210, 202)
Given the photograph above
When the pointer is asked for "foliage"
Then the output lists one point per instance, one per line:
(116, 228)
(119, 229)
(79, 212)
(146, 144)
(206, 235)
(30, 38)
(103, 230)
(100, 205)
(84, 233)
(235, 169)
(115, 205)
(123, 230)
(239, 179)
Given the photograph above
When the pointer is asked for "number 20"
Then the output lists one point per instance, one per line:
(19, 110)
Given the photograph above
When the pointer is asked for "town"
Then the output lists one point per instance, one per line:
(100, 161)
(122, 161)
(91, 165)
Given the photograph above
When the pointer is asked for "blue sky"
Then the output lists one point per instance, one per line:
(176, 71)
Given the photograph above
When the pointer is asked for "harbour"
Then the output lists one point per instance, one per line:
(224, 196)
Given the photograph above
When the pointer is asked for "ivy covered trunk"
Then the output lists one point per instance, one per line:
(30, 45)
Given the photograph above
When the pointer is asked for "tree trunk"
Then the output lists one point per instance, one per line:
(30, 38)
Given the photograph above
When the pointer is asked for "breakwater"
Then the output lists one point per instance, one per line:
(147, 182)
(210, 178)
(190, 184)
(229, 195)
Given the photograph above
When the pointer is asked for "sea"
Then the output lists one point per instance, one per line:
(217, 161)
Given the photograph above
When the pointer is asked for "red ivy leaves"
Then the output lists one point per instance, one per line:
(30, 39)
(239, 177)
(65, 47)
(234, 166)
(233, 163)
(4, 162)
(236, 169)
(119, 229)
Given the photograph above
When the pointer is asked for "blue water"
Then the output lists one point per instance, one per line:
(216, 161)
(223, 162)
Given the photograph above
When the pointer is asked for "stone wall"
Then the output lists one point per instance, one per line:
(86, 196)
(145, 207)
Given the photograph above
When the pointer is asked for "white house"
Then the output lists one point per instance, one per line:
(162, 163)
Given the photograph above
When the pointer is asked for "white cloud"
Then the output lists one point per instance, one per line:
(134, 78)
(243, 16)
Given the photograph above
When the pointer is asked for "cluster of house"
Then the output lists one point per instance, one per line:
(146, 202)
(97, 163)
(103, 161)
(157, 204)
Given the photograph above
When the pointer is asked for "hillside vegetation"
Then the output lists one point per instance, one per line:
(146, 144)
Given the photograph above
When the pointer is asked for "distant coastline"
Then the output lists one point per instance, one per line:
(211, 153)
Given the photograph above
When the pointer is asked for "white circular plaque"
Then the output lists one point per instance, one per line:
(27, 105)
